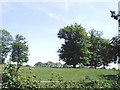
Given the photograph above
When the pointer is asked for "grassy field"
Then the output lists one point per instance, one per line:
(71, 78)
(69, 74)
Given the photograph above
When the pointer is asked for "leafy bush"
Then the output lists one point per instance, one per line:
(12, 80)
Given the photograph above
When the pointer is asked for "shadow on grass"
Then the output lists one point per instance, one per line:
(110, 77)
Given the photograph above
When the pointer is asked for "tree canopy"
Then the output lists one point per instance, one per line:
(75, 47)
(89, 49)
(19, 52)
(5, 44)
(99, 49)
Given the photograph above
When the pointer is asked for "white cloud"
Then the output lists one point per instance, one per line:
(53, 16)
(50, 14)
(66, 5)
(56, 17)
(44, 10)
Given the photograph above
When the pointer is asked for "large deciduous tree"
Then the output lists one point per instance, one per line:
(100, 49)
(75, 47)
(5, 44)
(19, 52)
(105, 49)
(95, 37)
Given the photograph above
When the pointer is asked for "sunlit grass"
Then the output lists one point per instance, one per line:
(68, 74)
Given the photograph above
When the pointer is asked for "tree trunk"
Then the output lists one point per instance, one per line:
(74, 66)
(103, 66)
(91, 64)
(95, 66)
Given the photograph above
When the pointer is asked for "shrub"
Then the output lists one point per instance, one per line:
(12, 80)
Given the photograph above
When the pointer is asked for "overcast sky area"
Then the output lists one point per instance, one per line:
(40, 20)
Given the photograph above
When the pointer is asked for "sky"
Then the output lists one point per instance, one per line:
(40, 20)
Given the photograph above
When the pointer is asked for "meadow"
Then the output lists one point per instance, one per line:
(68, 74)
(29, 78)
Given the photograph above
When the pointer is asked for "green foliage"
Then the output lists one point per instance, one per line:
(105, 52)
(38, 64)
(12, 80)
(91, 50)
(100, 49)
(19, 52)
(75, 49)
(57, 82)
(94, 37)
(48, 64)
(10, 76)
(115, 48)
(5, 44)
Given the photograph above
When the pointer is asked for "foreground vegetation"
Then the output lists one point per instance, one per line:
(28, 78)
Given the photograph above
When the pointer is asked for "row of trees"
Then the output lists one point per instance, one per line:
(89, 48)
(49, 64)
(17, 48)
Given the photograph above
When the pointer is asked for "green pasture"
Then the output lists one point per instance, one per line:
(68, 74)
